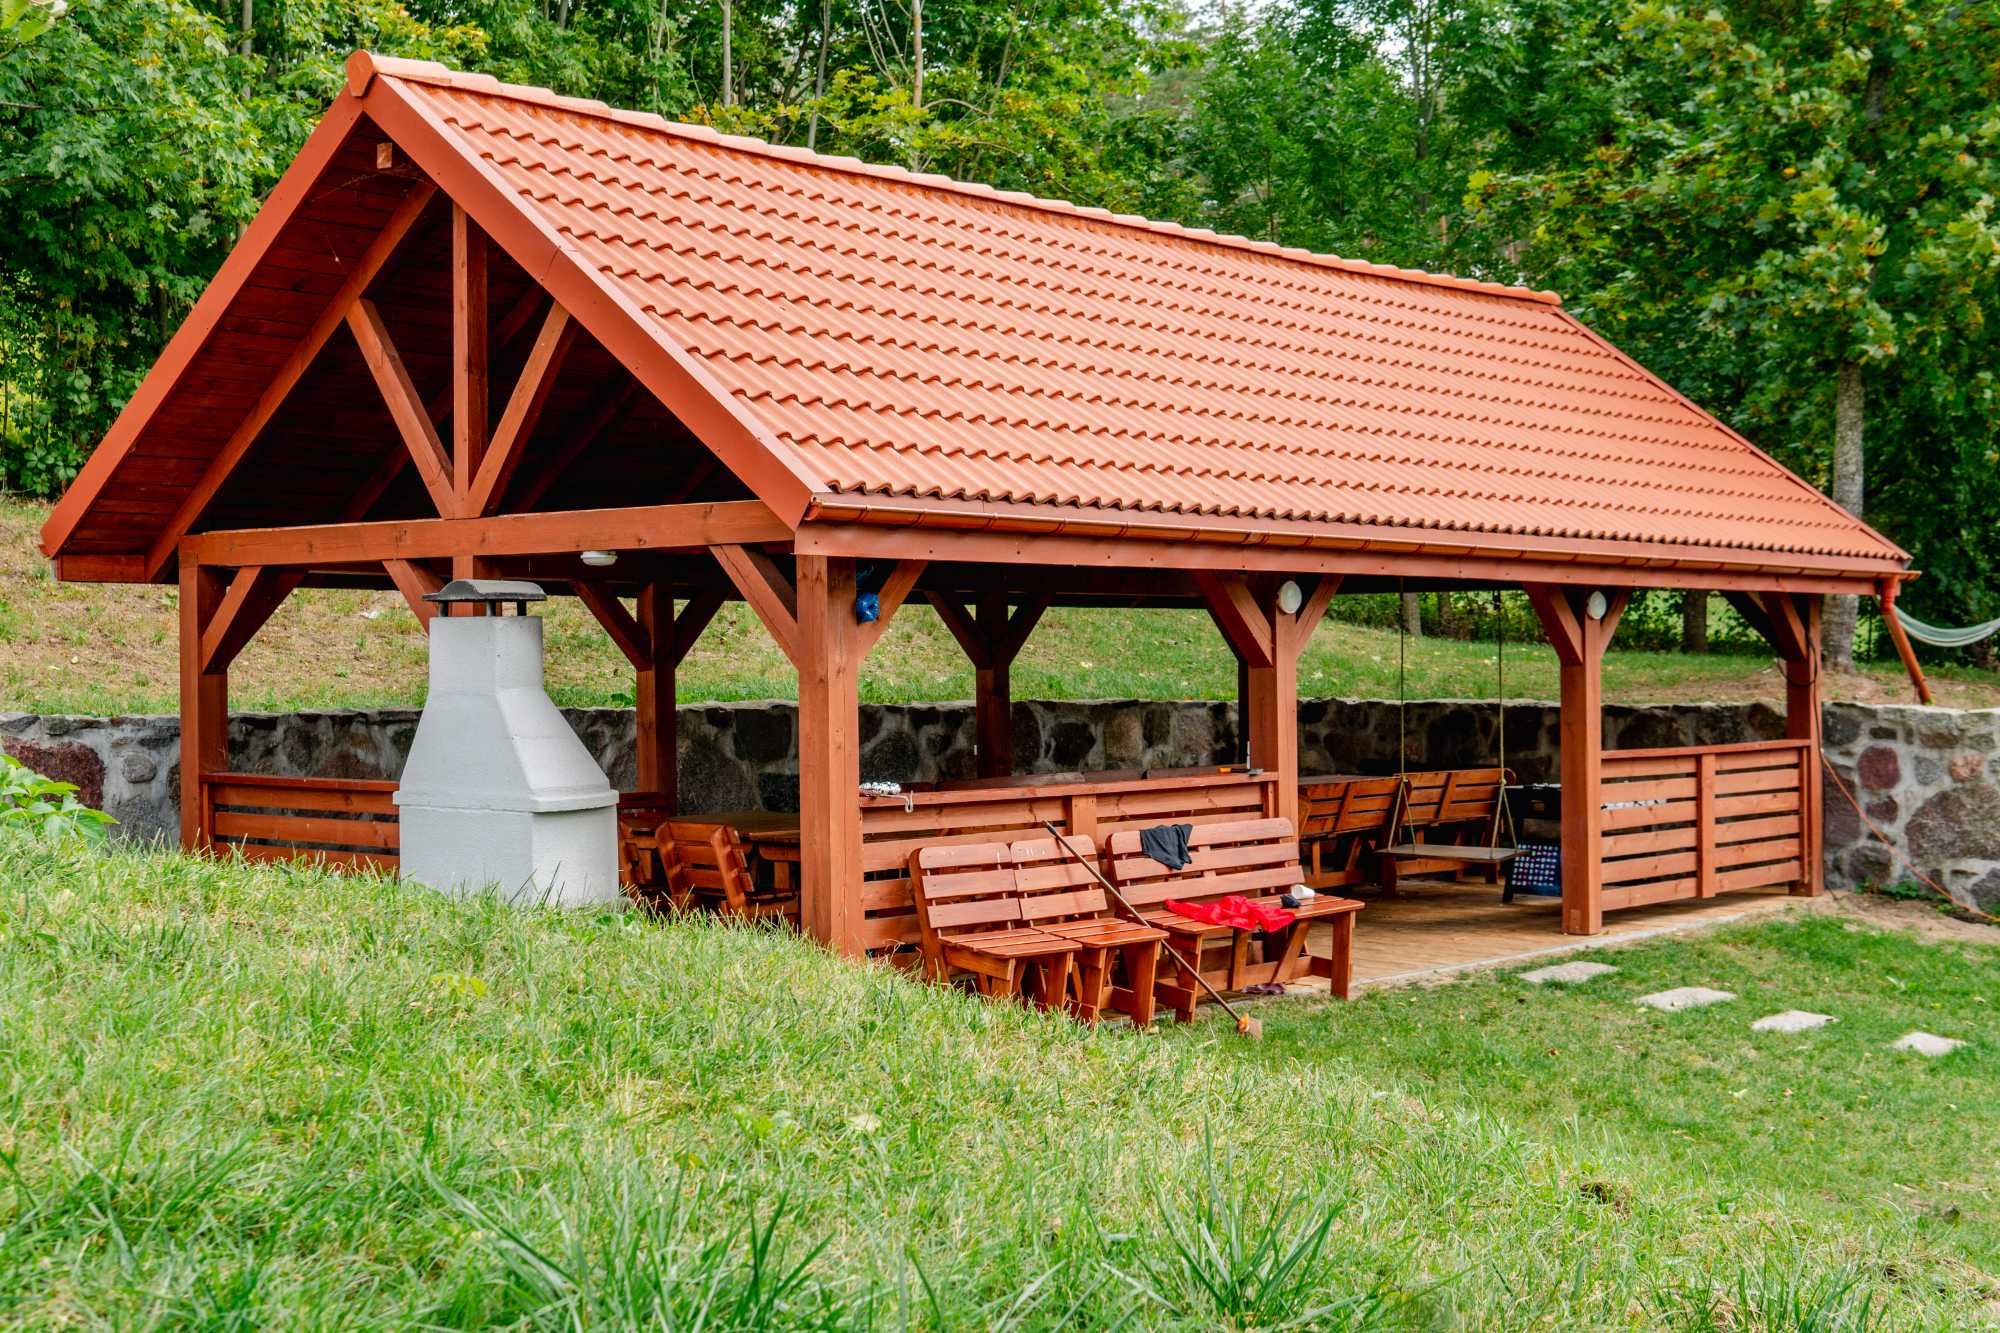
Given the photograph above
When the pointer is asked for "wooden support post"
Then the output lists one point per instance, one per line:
(653, 698)
(1580, 640)
(204, 701)
(829, 753)
(992, 639)
(1268, 642)
(1802, 699)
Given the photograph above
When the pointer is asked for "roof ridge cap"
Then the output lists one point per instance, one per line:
(364, 66)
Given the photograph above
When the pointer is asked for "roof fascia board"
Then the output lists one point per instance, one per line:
(1020, 519)
(682, 385)
(214, 302)
(1165, 550)
(1692, 406)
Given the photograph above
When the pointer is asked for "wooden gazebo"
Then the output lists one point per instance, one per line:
(480, 328)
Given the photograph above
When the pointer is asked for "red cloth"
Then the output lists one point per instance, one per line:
(1235, 911)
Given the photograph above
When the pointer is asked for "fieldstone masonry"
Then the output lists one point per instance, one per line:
(1927, 777)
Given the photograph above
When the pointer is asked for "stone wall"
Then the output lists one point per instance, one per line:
(1927, 776)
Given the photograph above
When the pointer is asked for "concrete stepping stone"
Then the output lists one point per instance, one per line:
(1792, 1020)
(1685, 997)
(1566, 974)
(1927, 1044)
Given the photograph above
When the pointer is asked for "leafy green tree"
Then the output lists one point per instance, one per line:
(1786, 207)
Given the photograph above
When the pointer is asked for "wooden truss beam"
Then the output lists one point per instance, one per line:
(415, 582)
(470, 390)
(251, 598)
(405, 405)
(288, 375)
(769, 591)
(643, 528)
(523, 411)
(626, 632)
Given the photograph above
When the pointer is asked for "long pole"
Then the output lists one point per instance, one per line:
(1245, 1024)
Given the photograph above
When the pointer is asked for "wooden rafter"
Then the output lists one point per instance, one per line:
(524, 409)
(288, 375)
(588, 433)
(767, 589)
(406, 407)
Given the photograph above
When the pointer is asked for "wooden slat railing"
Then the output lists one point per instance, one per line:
(342, 821)
(1695, 822)
(1095, 806)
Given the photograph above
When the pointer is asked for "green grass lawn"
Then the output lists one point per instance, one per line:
(241, 1097)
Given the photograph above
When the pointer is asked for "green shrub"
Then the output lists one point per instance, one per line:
(44, 808)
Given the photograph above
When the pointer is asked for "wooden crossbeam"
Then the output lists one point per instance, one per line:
(406, 407)
(524, 409)
(768, 590)
(642, 528)
(288, 375)
(963, 628)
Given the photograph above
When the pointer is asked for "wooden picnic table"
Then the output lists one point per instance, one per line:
(770, 836)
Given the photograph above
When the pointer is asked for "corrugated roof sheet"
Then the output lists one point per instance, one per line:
(915, 337)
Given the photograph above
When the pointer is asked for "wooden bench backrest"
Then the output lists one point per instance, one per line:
(701, 858)
(1052, 884)
(1258, 858)
(1351, 805)
(963, 889)
(1453, 796)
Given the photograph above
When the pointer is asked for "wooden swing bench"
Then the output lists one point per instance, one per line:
(1451, 819)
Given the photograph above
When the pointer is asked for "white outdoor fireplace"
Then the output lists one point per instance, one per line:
(498, 794)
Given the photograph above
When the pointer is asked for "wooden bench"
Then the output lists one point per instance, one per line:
(969, 919)
(1343, 824)
(1257, 859)
(705, 866)
(1449, 824)
(1061, 896)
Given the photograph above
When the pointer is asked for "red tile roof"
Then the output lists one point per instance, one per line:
(909, 335)
(865, 335)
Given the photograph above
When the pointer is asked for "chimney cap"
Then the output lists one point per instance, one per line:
(488, 592)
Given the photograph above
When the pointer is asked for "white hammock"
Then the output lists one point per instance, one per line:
(1945, 638)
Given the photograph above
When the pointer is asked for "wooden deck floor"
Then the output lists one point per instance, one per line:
(1430, 930)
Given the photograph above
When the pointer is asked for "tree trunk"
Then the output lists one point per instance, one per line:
(728, 54)
(1413, 615)
(249, 27)
(819, 72)
(1694, 621)
(917, 54)
(1447, 617)
(1850, 402)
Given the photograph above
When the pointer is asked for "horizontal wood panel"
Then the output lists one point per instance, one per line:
(1646, 895)
(307, 829)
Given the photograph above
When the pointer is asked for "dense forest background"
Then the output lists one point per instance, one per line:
(1784, 207)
